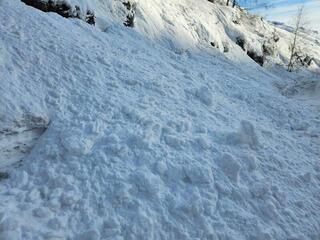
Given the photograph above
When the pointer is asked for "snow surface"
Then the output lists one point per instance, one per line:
(157, 137)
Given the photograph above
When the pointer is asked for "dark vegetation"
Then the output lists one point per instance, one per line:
(131, 7)
(255, 57)
(234, 2)
(90, 18)
(252, 54)
(63, 9)
(240, 41)
(301, 59)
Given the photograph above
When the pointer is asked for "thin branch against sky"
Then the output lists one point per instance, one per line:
(285, 10)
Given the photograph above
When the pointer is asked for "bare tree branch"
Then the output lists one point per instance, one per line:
(293, 46)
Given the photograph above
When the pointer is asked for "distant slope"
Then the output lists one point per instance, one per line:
(183, 25)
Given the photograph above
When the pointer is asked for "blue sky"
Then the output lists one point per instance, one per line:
(285, 10)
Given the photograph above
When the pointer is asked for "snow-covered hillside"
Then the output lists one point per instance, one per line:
(109, 132)
(184, 25)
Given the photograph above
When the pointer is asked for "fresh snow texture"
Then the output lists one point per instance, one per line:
(133, 139)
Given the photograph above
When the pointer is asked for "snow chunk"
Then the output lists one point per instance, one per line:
(161, 167)
(191, 205)
(115, 146)
(196, 174)
(76, 143)
(205, 96)
(42, 212)
(54, 204)
(260, 190)
(20, 179)
(317, 166)
(146, 181)
(138, 142)
(230, 167)
(251, 162)
(305, 178)
(245, 135)
(300, 126)
(203, 142)
(174, 142)
(69, 198)
(269, 210)
(33, 195)
(55, 223)
(279, 195)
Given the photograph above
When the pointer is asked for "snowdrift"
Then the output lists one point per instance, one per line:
(150, 132)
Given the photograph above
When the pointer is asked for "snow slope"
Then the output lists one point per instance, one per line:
(149, 139)
(183, 25)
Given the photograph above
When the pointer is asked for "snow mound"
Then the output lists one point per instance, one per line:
(151, 139)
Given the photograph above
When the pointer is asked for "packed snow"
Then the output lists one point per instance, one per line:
(152, 132)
